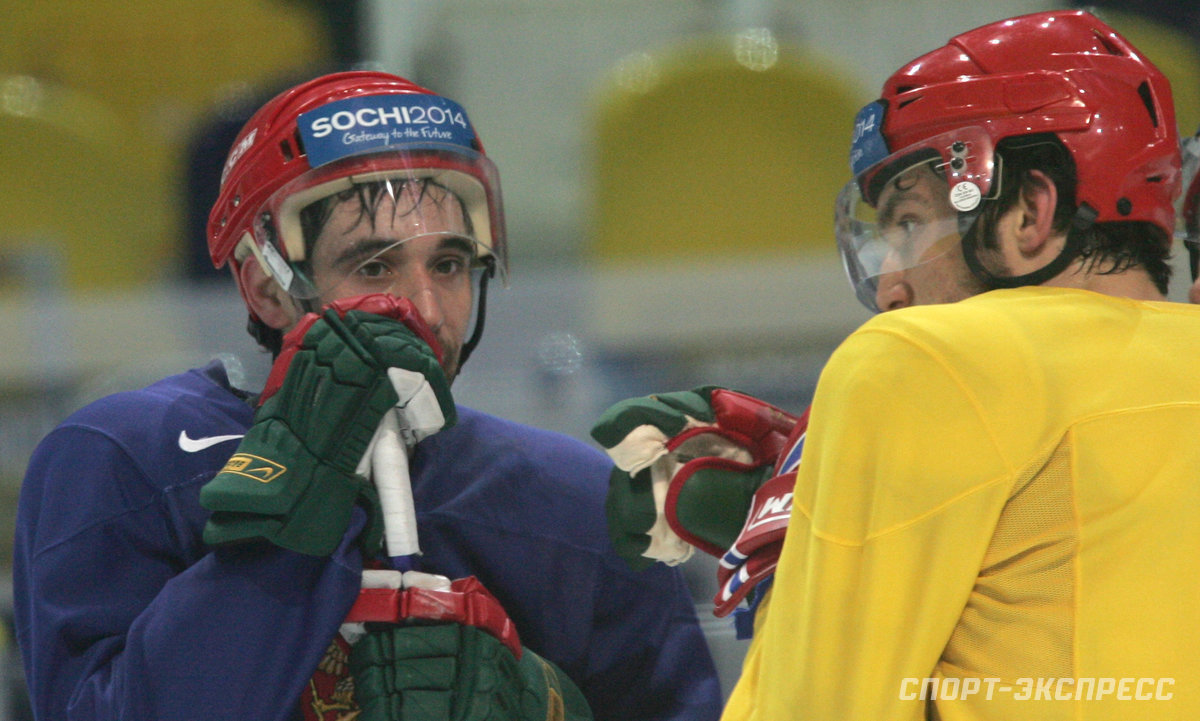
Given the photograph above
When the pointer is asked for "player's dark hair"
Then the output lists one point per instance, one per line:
(369, 195)
(1105, 248)
(268, 338)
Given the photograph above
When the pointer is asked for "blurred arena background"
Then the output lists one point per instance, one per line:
(669, 169)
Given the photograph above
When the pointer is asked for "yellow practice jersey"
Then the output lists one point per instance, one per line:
(997, 516)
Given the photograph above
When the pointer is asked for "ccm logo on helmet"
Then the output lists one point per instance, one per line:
(395, 115)
(238, 151)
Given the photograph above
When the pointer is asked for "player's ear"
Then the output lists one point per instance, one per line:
(1035, 206)
(265, 296)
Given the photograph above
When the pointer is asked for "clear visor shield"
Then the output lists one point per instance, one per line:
(910, 214)
(374, 226)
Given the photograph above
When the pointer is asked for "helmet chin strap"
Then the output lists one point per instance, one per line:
(968, 229)
(480, 314)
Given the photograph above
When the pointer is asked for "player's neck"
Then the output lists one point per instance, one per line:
(1134, 283)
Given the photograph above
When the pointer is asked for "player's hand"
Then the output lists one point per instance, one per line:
(454, 670)
(687, 466)
(753, 556)
(293, 480)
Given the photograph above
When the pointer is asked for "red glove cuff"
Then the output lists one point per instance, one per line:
(755, 553)
(467, 602)
(737, 583)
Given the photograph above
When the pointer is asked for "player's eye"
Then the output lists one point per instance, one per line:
(449, 265)
(374, 269)
(899, 232)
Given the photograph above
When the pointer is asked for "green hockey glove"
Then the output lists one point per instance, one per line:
(456, 672)
(296, 476)
(687, 466)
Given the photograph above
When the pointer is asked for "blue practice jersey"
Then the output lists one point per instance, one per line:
(123, 612)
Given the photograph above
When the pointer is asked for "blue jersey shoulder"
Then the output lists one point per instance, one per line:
(178, 428)
(526, 471)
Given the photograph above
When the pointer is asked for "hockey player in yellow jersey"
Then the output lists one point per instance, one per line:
(995, 515)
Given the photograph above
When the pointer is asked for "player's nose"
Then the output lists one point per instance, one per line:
(422, 292)
(893, 293)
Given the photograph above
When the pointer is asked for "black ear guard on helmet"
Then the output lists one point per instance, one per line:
(489, 271)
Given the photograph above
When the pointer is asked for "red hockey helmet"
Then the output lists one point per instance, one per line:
(1060, 72)
(323, 137)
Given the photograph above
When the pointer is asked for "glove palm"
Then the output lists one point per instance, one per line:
(687, 466)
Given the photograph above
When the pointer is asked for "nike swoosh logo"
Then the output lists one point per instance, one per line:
(195, 445)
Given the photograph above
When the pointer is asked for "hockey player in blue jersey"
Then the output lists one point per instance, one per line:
(192, 550)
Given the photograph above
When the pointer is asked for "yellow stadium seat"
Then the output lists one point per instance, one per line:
(730, 145)
(78, 208)
(96, 174)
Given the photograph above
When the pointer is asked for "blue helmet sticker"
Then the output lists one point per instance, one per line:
(376, 122)
(868, 145)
